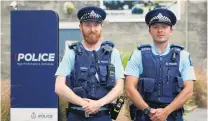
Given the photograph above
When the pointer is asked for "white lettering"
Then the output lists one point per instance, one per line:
(42, 57)
(51, 57)
(28, 57)
(45, 116)
(20, 56)
(36, 57)
(33, 58)
(170, 64)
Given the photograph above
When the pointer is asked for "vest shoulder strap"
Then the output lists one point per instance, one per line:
(110, 43)
(176, 50)
(176, 47)
(107, 45)
(144, 47)
(76, 47)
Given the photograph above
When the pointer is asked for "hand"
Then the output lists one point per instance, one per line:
(92, 107)
(160, 115)
(84, 103)
(152, 112)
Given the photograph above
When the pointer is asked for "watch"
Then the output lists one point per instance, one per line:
(147, 110)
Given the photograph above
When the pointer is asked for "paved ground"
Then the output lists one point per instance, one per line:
(199, 114)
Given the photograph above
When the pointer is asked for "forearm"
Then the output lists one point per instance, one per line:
(113, 94)
(136, 98)
(66, 93)
(180, 99)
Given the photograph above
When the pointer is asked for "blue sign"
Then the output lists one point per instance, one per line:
(34, 60)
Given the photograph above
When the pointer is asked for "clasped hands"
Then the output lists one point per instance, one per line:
(159, 114)
(91, 106)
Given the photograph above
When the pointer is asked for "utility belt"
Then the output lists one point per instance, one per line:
(160, 105)
(157, 105)
(134, 111)
(110, 109)
(105, 107)
(85, 114)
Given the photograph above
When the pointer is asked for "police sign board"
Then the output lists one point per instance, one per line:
(34, 60)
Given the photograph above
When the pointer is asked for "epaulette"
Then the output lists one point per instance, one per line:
(107, 45)
(144, 47)
(77, 47)
(176, 48)
(74, 45)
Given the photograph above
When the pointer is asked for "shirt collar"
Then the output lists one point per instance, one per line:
(91, 50)
(156, 51)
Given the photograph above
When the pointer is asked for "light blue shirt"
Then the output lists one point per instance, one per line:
(134, 66)
(67, 64)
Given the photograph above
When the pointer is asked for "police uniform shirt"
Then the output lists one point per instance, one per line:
(134, 66)
(67, 64)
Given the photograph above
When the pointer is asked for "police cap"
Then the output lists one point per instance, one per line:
(92, 13)
(160, 15)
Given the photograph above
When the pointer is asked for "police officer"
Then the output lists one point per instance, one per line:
(90, 75)
(159, 76)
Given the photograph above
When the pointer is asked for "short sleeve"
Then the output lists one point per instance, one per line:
(134, 65)
(67, 63)
(186, 66)
(116, 61)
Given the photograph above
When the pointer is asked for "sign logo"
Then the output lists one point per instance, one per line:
(45, 116)
(33, 115)
(34, 59)
(41, 116)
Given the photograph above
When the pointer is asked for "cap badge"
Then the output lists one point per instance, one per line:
(160, 15)
(93, 14)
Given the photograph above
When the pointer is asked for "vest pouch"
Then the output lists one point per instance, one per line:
(69, 81)
(140, 116)
(149, 84)
(83, 74)
(140, 86)
(110, 76)
(103, 74)
(80, 92)
(132, 110)
(179, 84)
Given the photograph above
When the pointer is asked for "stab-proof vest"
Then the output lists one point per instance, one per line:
(93, 76)
(160, 80)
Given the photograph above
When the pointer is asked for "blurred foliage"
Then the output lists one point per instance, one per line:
(125, 56)
(200, 88)
(5, 101)
(62, 110)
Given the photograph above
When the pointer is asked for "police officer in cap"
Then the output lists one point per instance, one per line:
(159, 76)
(90, 75)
